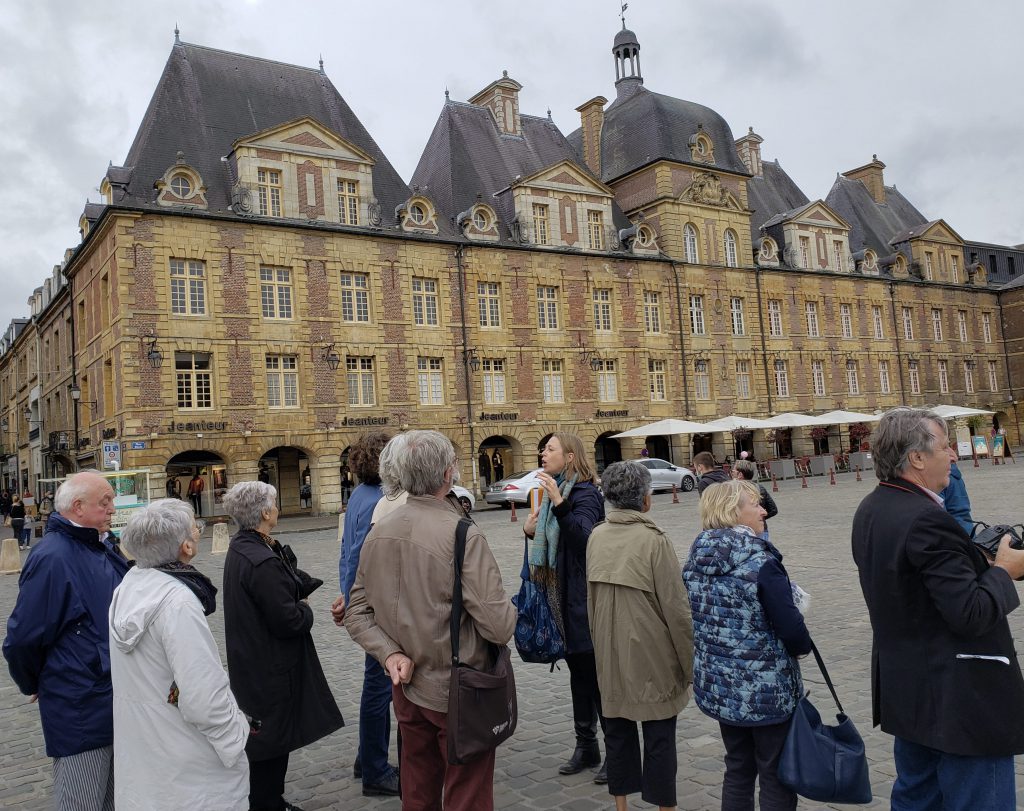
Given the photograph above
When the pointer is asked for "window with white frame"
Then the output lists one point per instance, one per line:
(929, 271)
(993, 378)
(690, 244)
(811, 308)
(540, 224)
(595, 230)
(883, 377)
(781, 378)
(488, 296)
(424, 302)
(697, 315)
(743, 379)
(494, 380)
(730, 248)
(547, 307)
(359, 379)
(937, 324)
(846, 320)
(430, 379)
(702, 380)
(775, 318)
(852, 382)
(915, 377)
(656, 373)
(908, 323)
(194, 379)
(551, 376)
(652, 312)
(968, 377)
(282, 381)
(805, 252)
(348, 202)
(943, 377)
(607, 381)
(268, 182)
(818, 378)
(986, 327)
(188, 287)
(736, 311)
(602, 309)
(276, 293)
(837, 254)
(954, 269)
(355, 298)
(961, 323)
(877, 321)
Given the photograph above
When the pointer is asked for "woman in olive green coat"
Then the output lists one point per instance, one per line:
(643, 638)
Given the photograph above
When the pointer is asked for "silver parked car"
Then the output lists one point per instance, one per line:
(665, 474)
(515, 488)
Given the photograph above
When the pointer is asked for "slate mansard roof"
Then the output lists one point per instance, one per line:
(872, 224)
(771, 195)
(207, 99)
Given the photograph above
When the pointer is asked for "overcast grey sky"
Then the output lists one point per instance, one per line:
(932, 86)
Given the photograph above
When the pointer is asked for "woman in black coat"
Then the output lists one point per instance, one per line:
(273, 667)
(558, 533)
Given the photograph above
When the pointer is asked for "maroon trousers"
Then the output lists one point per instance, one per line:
(426, 774)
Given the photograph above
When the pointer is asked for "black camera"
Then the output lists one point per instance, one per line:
(989, 537)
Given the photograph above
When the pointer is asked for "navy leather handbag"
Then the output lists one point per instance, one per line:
(821, 762)
(537, 636)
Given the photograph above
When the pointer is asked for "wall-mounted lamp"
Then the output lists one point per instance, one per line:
(28, 417)
(780, 366)
(851, 365)
(588, 355)
(76, 395)
(470, 356)
(331, 358)
(154, 355)
(5, 424)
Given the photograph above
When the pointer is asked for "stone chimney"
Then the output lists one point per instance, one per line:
(870, 174)
(749, 149)
(592, 117)
(502, 99)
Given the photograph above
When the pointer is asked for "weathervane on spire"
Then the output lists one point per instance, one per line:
(622, 14)
(177, 33)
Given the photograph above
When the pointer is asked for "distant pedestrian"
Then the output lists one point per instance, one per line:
(195, 493)
(17, 515)
(27, 529)
(5, 504)
(498, 466)
(708, 471)
(746, 470)
(483, 464)
(956, 501)
(173, 487)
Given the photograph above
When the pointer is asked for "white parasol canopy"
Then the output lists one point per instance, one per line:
(841, 417)
(793, 419)
(734, 423)
(666, 427)
(948, 412)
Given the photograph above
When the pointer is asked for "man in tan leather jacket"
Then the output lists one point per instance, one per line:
(399, 612)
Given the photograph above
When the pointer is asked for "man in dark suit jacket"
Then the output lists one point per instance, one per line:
(945, 680)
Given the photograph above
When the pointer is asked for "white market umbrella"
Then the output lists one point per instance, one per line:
(734, 423)
(793, 419)
(841, 417)
(948, 412)
(666, 427)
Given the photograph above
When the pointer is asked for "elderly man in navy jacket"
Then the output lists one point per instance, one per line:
(57, 645)
(945, 680)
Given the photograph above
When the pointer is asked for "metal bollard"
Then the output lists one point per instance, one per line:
(775, 484)
(832, 476)
(803, 480)
(513, 518)
(675, 495)
(858, 474)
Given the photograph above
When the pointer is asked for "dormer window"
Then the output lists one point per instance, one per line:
(269, 182)
(417, 214)
(348, 202)
(645, 236)
(181, 186)
(870, 260)
(480, 220)
(702, 150)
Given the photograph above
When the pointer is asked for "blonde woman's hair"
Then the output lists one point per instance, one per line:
(720, 503)
(579, 465)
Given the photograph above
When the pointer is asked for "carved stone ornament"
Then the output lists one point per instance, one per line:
(769, 250)
(707, 190)
(241, 199)
(374, 212)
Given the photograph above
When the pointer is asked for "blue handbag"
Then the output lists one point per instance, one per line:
(537, 636)
(821, 762)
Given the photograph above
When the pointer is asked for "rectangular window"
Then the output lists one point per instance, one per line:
(943, 377)
(595, 230)
(424, 302)
(929, 271)
(846, 320)
(852, 383)
(355, 298)
(775, 318)
(993, 264)
(276, 292)
(993, 379)
(607, 382)
(488, 296)
(812, 319)
(652, 312)
(282, 381)
(818, 378)
(348, 202)
(837, 254)
(781, 379)
(1011, 268)
(743, 379)
(908, 323)
(494, 380)
(877, 321)
(188, 287)
(805, 252)
(697, 315)
(602, 309)
(540, 224)
(937, 324)
(961, 322)
(986, 327)
(656, 372)
(269, 183)
(883, 377)
(702, 380)
(360, 382)
(968, 377)
(915, 377)
(954, 270)
(547, 308)
(194, 380)
(736, 310)
(430, 378)
(552, 379)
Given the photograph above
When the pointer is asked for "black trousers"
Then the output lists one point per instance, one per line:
(753, 752)
(266, 783)
(586, 696)
(655, 777)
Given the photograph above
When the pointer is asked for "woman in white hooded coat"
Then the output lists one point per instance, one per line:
(179, 736)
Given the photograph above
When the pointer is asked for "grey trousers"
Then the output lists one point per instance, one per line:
(84, 782)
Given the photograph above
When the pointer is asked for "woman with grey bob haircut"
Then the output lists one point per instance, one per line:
(420, 469)
(247, 502)
(901, 431)
(625, 484)
(154, 534)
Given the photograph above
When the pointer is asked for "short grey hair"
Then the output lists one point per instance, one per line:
(246, 501)
(625, 484)
(420, 466)
(386, 465)
(746, 468)
(154, 533)
(901, 431)
(75, 488)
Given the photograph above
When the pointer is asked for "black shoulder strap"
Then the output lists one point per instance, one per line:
(824, 672)
(461, 531)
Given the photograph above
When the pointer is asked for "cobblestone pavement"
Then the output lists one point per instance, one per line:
(813, 532)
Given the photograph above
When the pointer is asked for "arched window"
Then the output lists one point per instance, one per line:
(690, 242)
(730, 249)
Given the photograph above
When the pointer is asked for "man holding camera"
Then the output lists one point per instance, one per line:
(945, 680)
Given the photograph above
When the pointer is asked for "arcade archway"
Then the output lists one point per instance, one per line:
(290, 471)
(606, 451)
(199, 477)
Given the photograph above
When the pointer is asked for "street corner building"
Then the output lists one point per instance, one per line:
(258, 286)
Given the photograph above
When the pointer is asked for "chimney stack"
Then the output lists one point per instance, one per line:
(870, 174)
(502, 99)
(592, 118)
(749, 149)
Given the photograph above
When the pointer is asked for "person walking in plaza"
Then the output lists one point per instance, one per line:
(643, 639)
(273, 666)
(746, 470)
(747, 633)
(400, 611)
(180, 734)
(28, 528)
(371, 766)
(17, 514)
(707, 471)
(195, 493)
(556, 554)
(5, 505)
(498, 466)
(57, 645)
(945, 680)
(955, 499)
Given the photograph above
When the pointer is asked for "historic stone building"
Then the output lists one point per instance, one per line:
(258, 286)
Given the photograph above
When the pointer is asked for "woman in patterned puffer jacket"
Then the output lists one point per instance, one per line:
(746, 635)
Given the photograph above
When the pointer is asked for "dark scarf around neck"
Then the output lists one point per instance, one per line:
(199, 584)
